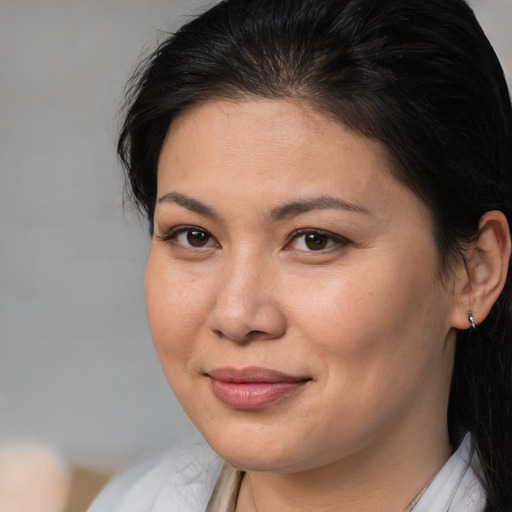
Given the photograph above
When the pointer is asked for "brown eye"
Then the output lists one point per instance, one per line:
(316, 241)
(197, 238)
(190, 237)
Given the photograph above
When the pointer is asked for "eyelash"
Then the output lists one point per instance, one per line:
(333, 241)
(336, 241)
(173, 234)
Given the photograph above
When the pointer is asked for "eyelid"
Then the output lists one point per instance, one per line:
(172, 233)
(339, 241)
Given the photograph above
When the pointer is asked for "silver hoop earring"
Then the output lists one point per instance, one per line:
(472, 321)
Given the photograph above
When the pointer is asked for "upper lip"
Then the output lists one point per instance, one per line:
(252, 374)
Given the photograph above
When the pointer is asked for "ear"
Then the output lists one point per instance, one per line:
(481, 279)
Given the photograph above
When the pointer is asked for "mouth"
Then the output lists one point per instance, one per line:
(253, 388)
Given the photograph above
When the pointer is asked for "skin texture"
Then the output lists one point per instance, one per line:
(364, 315)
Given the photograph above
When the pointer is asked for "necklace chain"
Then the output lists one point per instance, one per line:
(252, 493)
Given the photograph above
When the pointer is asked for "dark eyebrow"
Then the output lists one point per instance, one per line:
(190, 204)
(315, 203)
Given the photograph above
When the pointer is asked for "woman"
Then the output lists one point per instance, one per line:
(329, 191)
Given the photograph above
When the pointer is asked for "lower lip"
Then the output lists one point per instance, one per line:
(253, 395)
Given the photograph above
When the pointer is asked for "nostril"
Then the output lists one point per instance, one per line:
(261, 335)
(268, 323)
(254, 335)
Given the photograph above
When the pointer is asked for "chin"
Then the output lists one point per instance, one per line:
(265, 453)
(259, 462)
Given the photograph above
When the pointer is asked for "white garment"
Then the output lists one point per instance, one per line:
(183, 479)
(179, 480)
(455, 488)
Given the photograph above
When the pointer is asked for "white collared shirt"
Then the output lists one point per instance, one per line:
(456, 487)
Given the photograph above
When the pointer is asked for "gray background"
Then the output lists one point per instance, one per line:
(77, 368)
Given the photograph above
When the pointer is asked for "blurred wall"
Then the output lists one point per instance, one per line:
(77, 369)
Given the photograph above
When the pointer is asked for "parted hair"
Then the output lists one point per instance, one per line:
(419, 76)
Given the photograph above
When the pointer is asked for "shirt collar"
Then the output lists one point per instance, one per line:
(456, 487)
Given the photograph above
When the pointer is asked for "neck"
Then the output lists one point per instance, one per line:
(382, 477)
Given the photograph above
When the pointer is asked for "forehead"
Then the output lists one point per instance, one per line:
(248, 159)
(278, 138)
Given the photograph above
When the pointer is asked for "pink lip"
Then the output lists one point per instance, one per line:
(252, 388)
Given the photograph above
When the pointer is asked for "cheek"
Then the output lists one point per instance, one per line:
(176, 305)
(378, 341)
(375, 318)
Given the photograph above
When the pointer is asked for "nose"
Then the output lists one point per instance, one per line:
(247, 306)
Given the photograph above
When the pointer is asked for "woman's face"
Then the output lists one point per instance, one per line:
(293, 289)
